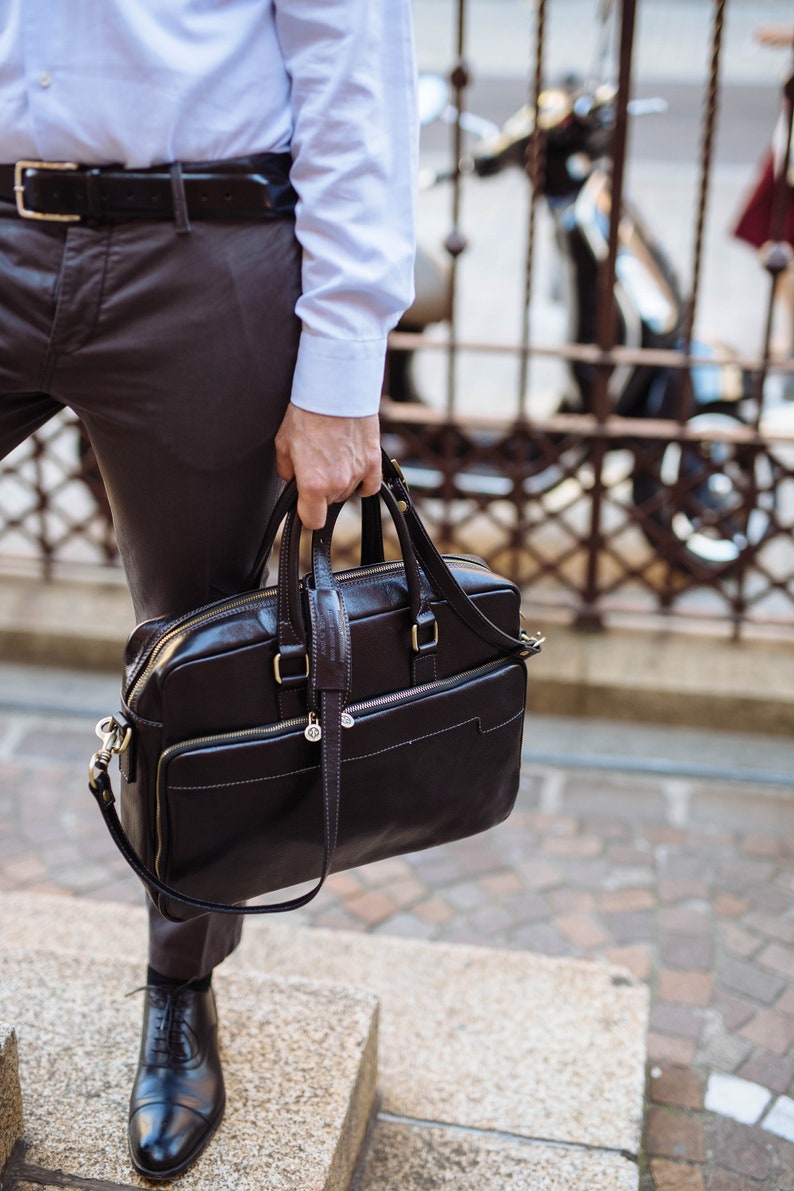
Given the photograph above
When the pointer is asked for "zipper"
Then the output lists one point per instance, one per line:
(439, 684)
(252, 599)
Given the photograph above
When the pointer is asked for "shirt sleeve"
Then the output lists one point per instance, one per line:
(354, 146)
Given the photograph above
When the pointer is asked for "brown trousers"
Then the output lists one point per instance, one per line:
(177, 353)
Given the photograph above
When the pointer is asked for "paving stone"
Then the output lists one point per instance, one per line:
(434, 910)
(405, 926)
(779, 959)
(769, 899)
(786, 1002)
(671, 1134)
(343, 884)
(585, 874)
(733, 1011)
(606, 828)
(750, 980)
(679, 889)
(630, 926)
(785, 1164)
(774, 926)
(724, 1180)
(741, 1149)
(539, 875)
(780, 1118)
(723, 1052)
(739, 940)
(739, 874)
(659, 834)
(664, 1048)
(581, 845)
(371, 907)
(541, 937)
(773, 1071)
(491, 922)
(498, 884)
(772, 1031)
(756, 844)
(679, 1020)
(739, 1099)
(676, 1176)
(622, 857)
(581, 929)
(571, 901)
(638, 960)
(630, 877)
(554, 825)
(686, 951)
(728, 905)
(678, 1087)
(685, 988)
(686, 919)
(627, 899)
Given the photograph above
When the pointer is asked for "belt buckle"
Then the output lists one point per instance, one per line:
(20, 169)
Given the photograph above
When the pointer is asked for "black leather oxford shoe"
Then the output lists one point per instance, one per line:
(178, 1096)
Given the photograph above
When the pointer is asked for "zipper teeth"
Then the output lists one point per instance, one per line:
(255, 597)
(296, 721)
(154, 650)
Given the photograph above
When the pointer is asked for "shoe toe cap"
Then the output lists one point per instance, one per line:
(165, 1137)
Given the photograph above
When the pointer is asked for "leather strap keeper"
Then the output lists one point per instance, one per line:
(255, 187)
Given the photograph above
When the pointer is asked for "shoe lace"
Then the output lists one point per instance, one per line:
(172, 1035)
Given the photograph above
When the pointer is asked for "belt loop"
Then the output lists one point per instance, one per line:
(181, 220)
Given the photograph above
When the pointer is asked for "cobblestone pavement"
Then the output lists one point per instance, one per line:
(686, 879)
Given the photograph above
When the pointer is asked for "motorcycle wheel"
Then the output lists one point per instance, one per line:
(706, 506)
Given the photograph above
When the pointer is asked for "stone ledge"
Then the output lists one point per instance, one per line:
(11, 1120)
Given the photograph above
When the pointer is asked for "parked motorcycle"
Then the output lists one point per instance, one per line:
(702, 505)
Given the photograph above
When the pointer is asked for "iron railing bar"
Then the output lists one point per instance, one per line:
(590, 353)
(536, 169)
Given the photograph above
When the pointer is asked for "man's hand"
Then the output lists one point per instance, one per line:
(330, 459)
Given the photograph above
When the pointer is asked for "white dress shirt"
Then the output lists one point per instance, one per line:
(146, 82)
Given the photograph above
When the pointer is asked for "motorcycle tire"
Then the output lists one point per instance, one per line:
(705, 507)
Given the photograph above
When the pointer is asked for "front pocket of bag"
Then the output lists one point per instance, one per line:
(241, 815)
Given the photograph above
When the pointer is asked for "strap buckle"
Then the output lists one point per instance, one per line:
(20, 169)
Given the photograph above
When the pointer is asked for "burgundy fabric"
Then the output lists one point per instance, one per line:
(754, 224)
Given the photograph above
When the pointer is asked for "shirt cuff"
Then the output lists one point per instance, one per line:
(340, 377)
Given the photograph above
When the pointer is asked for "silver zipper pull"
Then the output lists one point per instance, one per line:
(313, 732)
(347, 720)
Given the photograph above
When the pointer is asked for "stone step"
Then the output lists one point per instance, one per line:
(300, 1062)
(497, 1069)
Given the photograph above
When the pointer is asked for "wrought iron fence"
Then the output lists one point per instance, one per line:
(623, 466)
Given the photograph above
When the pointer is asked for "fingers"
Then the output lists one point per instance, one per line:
(312, 511)
(330, 458)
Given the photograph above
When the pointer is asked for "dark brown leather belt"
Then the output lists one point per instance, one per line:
(256, 187)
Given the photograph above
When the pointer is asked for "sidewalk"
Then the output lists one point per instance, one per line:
(636, 850)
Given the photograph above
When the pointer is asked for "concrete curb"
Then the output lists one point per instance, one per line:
(662, 676)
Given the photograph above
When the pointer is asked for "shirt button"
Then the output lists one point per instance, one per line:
(45, 79)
